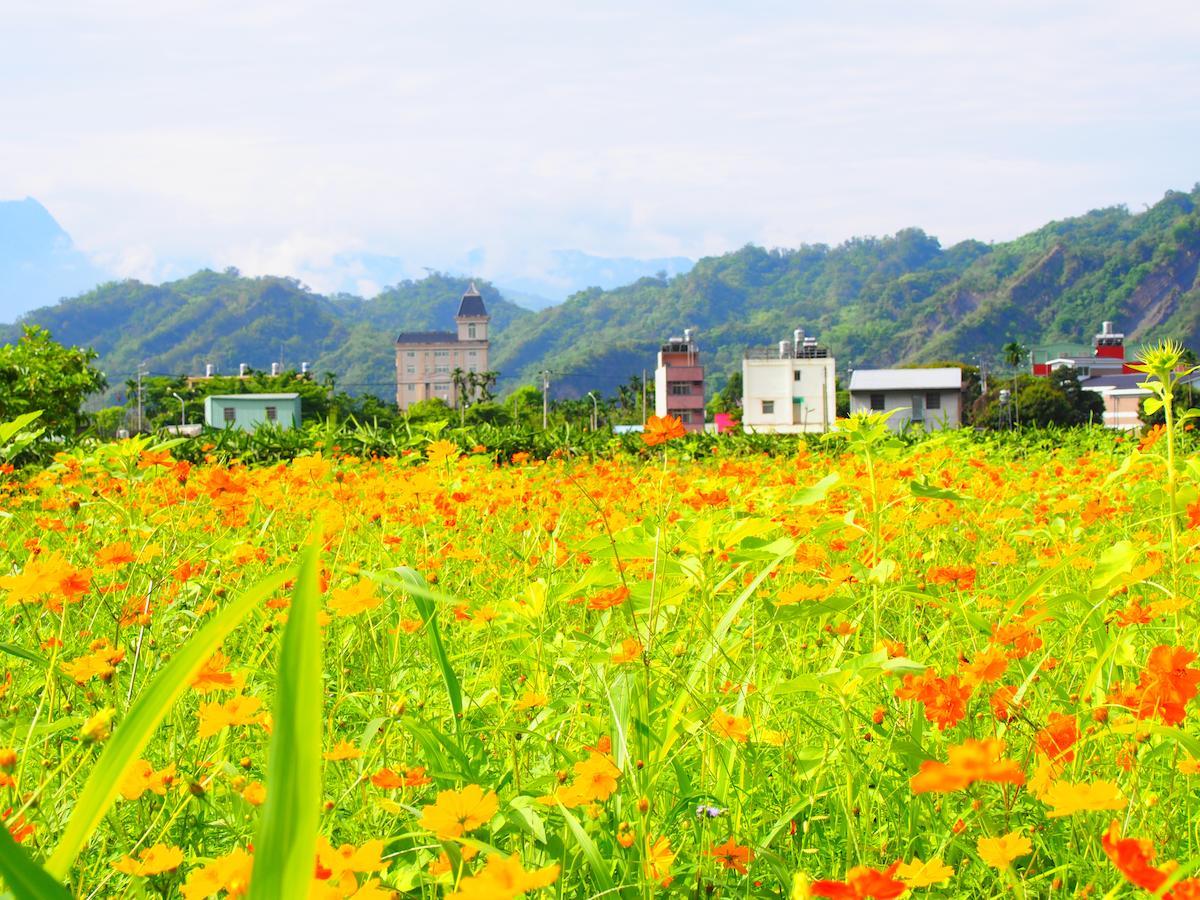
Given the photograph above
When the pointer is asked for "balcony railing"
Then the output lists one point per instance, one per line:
(810, 352)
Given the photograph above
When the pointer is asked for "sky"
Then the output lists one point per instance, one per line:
(282, 137)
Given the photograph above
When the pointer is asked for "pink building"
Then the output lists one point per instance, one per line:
(679, 382)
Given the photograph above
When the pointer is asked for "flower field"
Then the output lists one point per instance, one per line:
(953, 668)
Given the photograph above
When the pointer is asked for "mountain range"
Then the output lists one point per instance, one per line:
(39, 264)
(875, 301)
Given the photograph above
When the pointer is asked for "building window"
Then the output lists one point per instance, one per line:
(229, 413)
(412, 354)
(877, 403)
(681, 388)
(471, 331)
(445, 353)
(412, 370)
(411, 388)
(472, 353)
(272, 413)
(442, 370)
(768, 407)
(796, 375)
(442, 388)
(685, 416)
(933, 400)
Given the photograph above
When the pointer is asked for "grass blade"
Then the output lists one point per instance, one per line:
(412, 582)
(151, 706)
(600, 869)
(286, 841)
(25, 879)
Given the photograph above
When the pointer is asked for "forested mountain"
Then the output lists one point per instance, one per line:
(874, 301)
(226, 319)
(899, 299)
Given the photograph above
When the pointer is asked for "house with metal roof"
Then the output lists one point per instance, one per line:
(426, 359)
(931, 398)
(249, 411)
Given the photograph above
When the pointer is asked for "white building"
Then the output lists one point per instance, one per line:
(931, 398)
(790, 388)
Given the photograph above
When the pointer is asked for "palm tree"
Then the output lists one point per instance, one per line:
(1014, 354)
(460, 381)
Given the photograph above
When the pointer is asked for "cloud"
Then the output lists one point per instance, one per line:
(284, 134)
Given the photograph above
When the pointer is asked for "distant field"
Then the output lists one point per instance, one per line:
(840, 674)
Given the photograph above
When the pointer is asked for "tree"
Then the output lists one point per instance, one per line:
(38, 373)
(1045, 404)
(1014, 352)
(1086, 406)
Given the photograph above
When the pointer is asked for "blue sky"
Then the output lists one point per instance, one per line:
(276, 136)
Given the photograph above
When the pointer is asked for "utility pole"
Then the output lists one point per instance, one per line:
(595, 411)
(182, 409)
(545, 399)
(643, 397)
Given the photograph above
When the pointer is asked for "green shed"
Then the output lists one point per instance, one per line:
(248, 411)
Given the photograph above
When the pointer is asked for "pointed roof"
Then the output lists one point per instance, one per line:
(471, 306)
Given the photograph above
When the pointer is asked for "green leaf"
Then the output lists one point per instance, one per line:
(931, 492)
(22, 653)
(25, 879)
(150, 708)
(286, 840)
(1152, 405)
(816, 493)
(595, 861)
(412, 582)
(1114, 563)
(8, 429)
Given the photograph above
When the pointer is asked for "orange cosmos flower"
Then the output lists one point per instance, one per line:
(240, 710)
(454, 813)
(969, 762)
(151, 861)
(1058, 737)
(387, 780)
(732, 855)
(660, 429)
(1003, 702)
(115, 555)
(610, 598)
(862, 882)
(349, 601)
(343, 750)
(141, 777)
(212, 675)
(658, 860)
(1133, 857)
(596, 777)
(726, 724)
(629, 650)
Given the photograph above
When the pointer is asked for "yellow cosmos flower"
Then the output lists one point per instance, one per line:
(918, 874)
(1000, 851)
(1067, 798)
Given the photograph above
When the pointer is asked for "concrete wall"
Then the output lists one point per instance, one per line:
(948, 416)
(807, 404)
